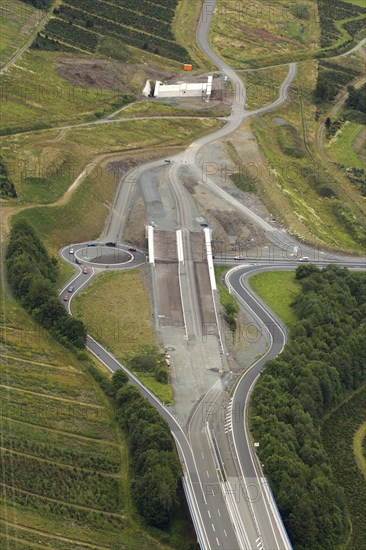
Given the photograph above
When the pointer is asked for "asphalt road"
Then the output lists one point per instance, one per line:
(220, 521)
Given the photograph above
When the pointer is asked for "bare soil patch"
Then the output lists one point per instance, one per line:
(105, 75)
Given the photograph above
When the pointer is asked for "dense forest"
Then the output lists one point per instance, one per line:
(32, 275)
(323, 362)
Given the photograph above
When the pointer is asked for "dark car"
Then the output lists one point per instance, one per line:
(92, 244)
(131, 249)
(110, 243)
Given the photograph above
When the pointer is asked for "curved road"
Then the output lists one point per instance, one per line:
(219, 522)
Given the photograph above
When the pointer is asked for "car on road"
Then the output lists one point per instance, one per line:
(239, 258)
(110, 243)
(85, 270)
(167, 161)
(131, 249)
(66, 298)
(70, 289)
(78, 261)
(71, 251)
(92, 244)
(304, 259)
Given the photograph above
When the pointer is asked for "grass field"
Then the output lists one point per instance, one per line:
(359, 447)
(44, 164)
(337, 433)
(262, 86)
(65, 470)
(360, 3)
(278, 289)
(341, 148)
(264, 33)
(17, 20)
(120, 319)
(155, 108)
(35, 96)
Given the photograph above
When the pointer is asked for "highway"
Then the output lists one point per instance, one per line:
(225, 516)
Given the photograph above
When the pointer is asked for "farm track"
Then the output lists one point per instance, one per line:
(25, 528)
(64, 502)
(47, 396)
(60, 464)
(41, 364)
(66, 434)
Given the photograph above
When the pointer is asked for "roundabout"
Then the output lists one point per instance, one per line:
(103, 255)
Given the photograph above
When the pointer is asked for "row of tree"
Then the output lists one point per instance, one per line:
(156, 467)
(324, 361)
(40, 4)
(7, 188)
(32, 275)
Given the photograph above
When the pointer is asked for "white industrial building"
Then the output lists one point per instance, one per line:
(183, 89)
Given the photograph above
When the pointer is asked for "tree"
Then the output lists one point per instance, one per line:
(154, 494)
(119, 379)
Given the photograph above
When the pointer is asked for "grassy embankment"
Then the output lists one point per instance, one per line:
(319, 208)
(43, 164)
(65, 466)
(343, 148)
(121, 320)
(278, 289)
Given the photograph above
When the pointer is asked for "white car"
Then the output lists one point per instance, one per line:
(71, 251)
(304, 259)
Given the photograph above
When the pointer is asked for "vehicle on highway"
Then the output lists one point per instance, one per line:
(167, 161)
(85, 270)
(78, 261)
(66, 298)
(304, 259)
(110, 243)
(70, 289)
(239, 258)
(131, 249)
(71, 251)
(92, 244)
